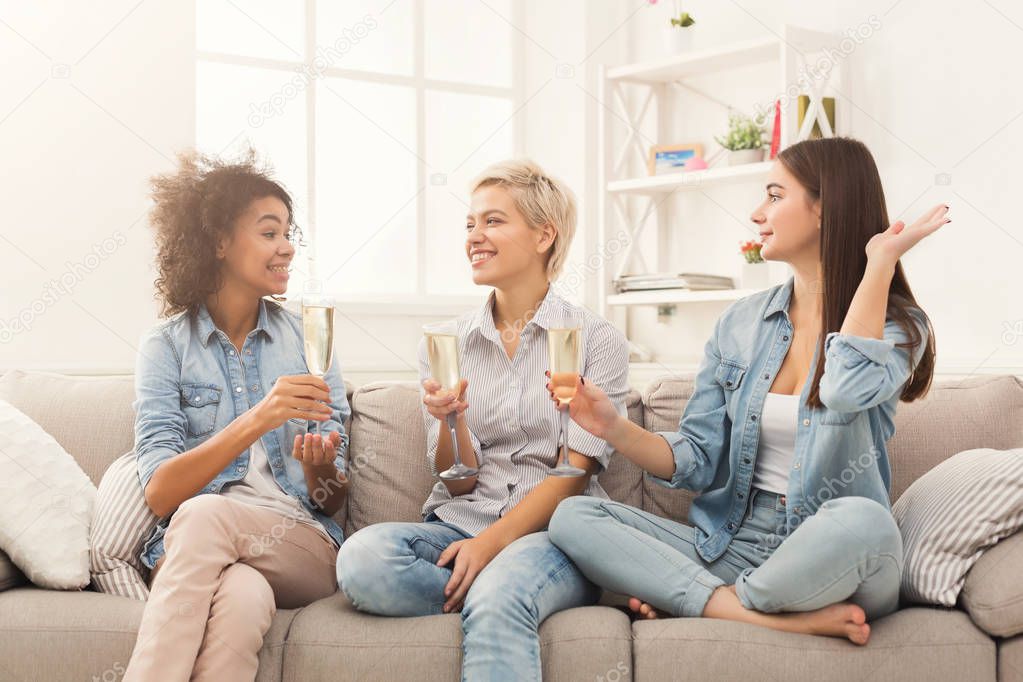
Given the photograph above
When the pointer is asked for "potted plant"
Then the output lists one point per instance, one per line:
(755, 274)
(744, 141)
(678, 37)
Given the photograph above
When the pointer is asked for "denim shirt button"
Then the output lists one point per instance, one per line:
(739, 495)
(796, 465)
(806, 422)
(753, 417)
(746, 460)
(785, 338)
(231, 353)
(767, 376)
(731, 526)
(237, 389)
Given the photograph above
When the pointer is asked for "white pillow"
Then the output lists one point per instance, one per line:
(121, 526)
(951, 514)
(46, 504)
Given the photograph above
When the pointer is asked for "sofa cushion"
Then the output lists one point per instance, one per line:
(90, 417)
(1010, 659)
(955, 415)
(993, 593)
(913, 645)
(390, 477)
(664, 401)
(46, 504)
(951, 514)
(122, 525)
(10, 576)
(623, 480)
(47, 635)
(331, 641)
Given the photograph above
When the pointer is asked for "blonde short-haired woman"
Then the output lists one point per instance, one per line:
(482, 548)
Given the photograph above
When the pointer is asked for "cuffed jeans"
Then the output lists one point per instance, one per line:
(849, 550)
(390, 569)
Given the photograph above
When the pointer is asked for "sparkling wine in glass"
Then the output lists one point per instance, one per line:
(318, 333)
(564, 346)
(442, 351)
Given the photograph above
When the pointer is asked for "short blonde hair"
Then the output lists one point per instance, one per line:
(543, 200)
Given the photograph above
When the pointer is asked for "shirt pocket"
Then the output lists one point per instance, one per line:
(729, 374)
(200, 403)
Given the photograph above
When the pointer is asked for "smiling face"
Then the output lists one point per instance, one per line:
(501, 245)
(788, 219)
(258, 253)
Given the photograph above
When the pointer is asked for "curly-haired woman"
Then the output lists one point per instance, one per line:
(784, 436)
(224, 405)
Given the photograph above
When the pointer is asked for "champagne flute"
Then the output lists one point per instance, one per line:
(564, 346)
(317, 332)
(442, 350)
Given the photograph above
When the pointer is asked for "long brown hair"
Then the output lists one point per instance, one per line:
(194, 207)
(841, 173)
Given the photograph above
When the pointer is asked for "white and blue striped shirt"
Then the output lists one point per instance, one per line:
(511, 417)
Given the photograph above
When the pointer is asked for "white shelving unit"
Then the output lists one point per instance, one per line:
(795, 53)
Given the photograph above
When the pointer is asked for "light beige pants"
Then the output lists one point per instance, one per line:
(228, 566)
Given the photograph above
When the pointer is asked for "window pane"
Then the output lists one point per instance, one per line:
(272, 29)
(464, 134)
(225, 124)
(367, 35)
(366, 190)
(469, 42)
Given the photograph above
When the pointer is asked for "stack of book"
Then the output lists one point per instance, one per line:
(666, 280)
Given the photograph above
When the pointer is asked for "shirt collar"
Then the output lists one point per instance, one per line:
(482, 320)
(207, 328)
(780, 299)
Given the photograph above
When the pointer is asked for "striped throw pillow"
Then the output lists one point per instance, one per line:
(951, 514)
(122, 524)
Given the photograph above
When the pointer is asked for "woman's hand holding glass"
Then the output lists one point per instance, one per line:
(590, 408)
(440, 402)
(302, 396)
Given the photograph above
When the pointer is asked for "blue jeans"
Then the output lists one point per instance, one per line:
(850, 550)
(390, 569)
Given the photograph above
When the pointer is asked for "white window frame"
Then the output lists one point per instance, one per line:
(420, 302)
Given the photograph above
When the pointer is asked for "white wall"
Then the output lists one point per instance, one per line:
(932, 92)
(96, 99)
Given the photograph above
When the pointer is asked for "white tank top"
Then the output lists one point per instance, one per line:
(777, 444)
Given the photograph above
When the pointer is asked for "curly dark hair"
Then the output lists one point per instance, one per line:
(194, 208)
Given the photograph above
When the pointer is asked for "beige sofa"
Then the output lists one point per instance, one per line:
(47, 635)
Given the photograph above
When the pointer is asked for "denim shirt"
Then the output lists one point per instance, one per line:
(191, 382)
(840, 449)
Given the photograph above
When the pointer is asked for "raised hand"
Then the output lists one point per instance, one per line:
(888, 246)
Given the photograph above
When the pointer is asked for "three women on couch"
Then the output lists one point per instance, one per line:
(798, 386)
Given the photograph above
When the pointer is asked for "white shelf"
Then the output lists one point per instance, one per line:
(691, 180)
(699, 62)
(672, 296)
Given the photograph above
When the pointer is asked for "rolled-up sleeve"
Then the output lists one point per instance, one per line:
(607, 367)
(860, 372)
(159, 420)
(701, 442)
(431, 423)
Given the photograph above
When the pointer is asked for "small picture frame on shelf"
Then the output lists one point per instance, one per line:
(672, 158)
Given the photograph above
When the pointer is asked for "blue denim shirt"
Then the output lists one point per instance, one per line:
(190, 383)
(840, 449)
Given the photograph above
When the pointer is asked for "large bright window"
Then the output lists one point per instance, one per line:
(376, 114)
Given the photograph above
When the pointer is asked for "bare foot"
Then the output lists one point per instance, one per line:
(838, 620)
(644, 610)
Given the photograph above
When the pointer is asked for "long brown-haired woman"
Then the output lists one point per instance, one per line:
(222, 433)
(784, 436)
